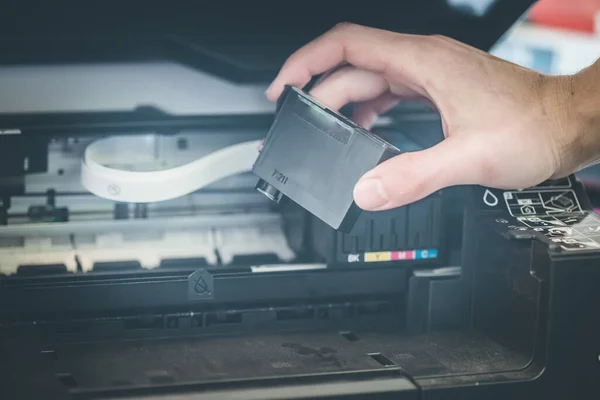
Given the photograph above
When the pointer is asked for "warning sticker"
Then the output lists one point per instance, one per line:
(577, 243)
(552, 209)
(561, 232)
(553, 196)
(572, 232)
(540, 221)
(576, 218)
(546, 202)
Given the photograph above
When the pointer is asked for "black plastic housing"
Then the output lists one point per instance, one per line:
(315, 157)
(522, 309)
(413, 233)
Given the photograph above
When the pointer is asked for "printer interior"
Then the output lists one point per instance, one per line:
(57, 226)
(223, 284)
(223, 289)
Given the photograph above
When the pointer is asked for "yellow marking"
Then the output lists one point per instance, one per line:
(378, 256)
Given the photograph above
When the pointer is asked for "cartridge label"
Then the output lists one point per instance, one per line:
(400, 255)
(378, 256)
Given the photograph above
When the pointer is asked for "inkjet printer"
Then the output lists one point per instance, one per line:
(138, 260)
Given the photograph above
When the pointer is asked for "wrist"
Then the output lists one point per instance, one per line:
(573, 103)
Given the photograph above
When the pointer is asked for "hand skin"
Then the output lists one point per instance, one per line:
(505, 126)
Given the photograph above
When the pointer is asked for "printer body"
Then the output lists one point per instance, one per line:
(221, 293)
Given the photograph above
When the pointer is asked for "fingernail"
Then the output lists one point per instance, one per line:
(369, 194)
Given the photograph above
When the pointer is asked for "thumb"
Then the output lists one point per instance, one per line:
(409, 177)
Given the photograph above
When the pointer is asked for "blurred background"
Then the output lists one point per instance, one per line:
(554, 37)
(557, 37)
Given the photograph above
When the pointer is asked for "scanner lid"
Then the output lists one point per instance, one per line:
(235, 47)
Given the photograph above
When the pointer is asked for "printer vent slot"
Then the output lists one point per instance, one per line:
(381, 359)
(120, 382)
(350, 336)
(197, 321)
(35, 270)
(223, 318)
(172, 321)
(153, 322)
(256, 259)
(72, 328)
(117, 266)
(160, 377)
(49, 355)
(295, 314)
(68, 380)
(373, 308)
(196, 262)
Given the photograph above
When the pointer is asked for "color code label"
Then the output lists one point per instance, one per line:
(378, 257)
(382, 256)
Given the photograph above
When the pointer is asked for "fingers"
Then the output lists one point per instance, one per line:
(349, 85)
(366, 113)
(369, 49)
(409, 177)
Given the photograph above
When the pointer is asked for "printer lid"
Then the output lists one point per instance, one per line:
(241, 45)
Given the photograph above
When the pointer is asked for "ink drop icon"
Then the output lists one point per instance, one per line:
(490, 198)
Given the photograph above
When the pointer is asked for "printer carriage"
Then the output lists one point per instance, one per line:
(469, 293)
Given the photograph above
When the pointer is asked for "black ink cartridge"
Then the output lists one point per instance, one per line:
(315, 156)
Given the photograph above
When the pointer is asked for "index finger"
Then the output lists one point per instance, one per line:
(365, 48)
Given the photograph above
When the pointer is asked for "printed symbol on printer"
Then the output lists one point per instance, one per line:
(200, 286)
(527, 210)
(113, 190)
(542, 202)
(490, 198)
(577, 243)
(560, 231)
(590, 230)
(540, 221)
(518, 228)
(561, 202)
(353, 258)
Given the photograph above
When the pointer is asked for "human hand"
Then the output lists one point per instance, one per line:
(505, 126)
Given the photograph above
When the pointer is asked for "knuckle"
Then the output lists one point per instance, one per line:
(439, 38)
(434, 41)
(345, 29)
(343, 26)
